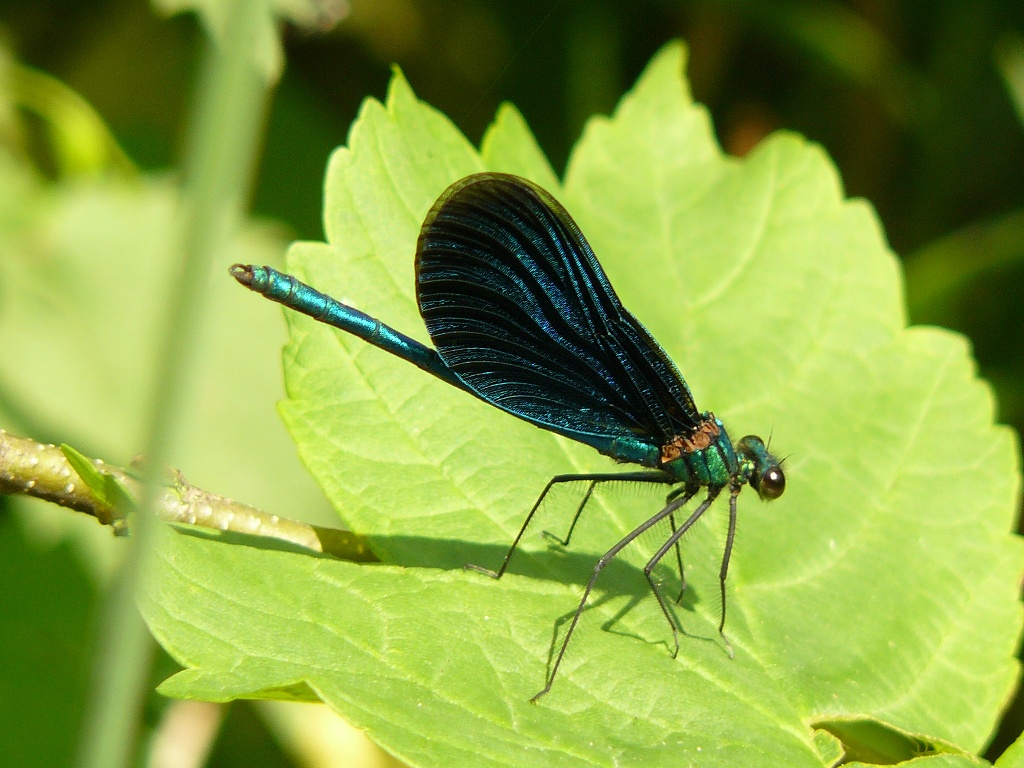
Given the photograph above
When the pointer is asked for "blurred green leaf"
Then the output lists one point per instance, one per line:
(1010, 61)
(48, 609)
(80, 142)
(83, 272)
(882, 586)
(942, 269)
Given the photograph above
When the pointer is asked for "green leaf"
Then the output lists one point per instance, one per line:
(873, 743)
(437, 666)
(1013, 757)
(881, 587)
(102, 484)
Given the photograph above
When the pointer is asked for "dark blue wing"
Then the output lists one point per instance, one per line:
(519, 308)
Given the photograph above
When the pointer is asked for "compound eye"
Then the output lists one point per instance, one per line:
(772, 484)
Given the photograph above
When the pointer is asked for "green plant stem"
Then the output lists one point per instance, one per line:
(218, 170)
(42, 471)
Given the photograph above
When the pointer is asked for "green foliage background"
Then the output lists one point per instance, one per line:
(916, 107)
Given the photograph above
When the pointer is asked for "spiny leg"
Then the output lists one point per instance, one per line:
(603, 477)
(673, 541)
(679, 562)
(598, 567)
(724, 571)
(579, 511)
(612, 477)
(691, 490)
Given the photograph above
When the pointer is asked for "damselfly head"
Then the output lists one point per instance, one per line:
(766, 475)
